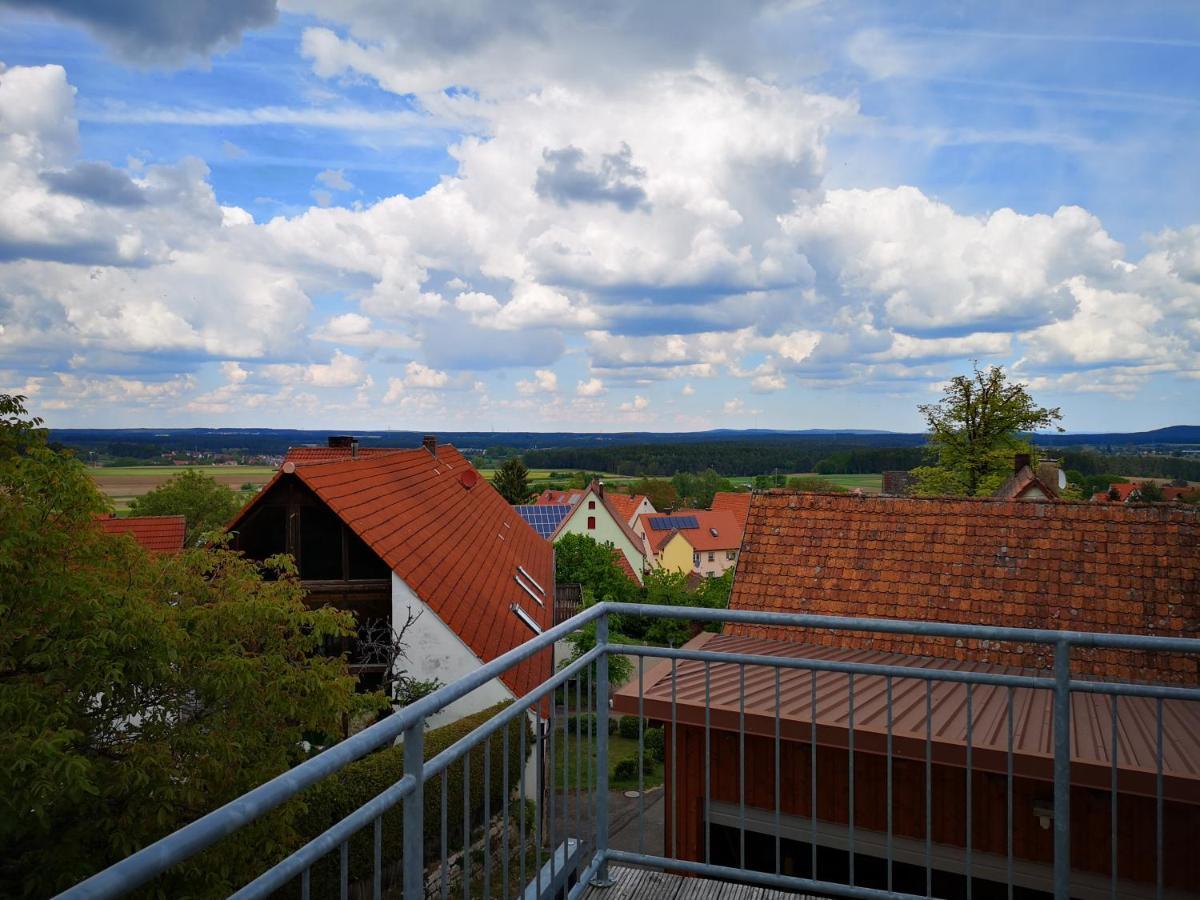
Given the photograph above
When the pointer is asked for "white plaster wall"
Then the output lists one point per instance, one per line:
(436, 651)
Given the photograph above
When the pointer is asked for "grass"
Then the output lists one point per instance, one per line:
(123, 484)
(618, 748)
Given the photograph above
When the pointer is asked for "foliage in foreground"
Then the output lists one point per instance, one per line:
(199, 498)
(139, 691)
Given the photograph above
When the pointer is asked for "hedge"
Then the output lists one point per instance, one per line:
(629, 727)
(335, 797)
(654, 744)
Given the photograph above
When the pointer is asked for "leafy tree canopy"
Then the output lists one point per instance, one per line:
(205, 504)
(580, 559)
(512, 481)
(696, 491)
(659, 491)
(140, 691)
(975, 430)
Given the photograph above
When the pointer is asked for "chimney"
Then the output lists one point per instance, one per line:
(1020, 461)
(340, 440)
(354, 448)
(600, 488)
(429, 442)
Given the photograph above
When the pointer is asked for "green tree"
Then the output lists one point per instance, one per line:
(512, 481)
(140, 691)
(18, 430)
(659, 491)
(580, 559)
(1150, 492)
(199, 498)
(975, 430)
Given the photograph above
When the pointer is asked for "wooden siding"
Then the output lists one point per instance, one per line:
(1090, 824)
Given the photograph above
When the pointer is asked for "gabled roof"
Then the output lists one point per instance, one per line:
(1124, 490)
(605, 502)
(1023, 482)
(550, 497)
(162, 534)
(736, 502)
(451, 537)
(1176, 492)
(716, 529)
(543, 518)
(1080, 566)
(626, 505)
(306, 455)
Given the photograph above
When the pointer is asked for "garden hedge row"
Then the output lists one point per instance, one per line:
(335, 797)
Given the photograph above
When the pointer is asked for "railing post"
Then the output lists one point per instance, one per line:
(601, 879)
(1062, 770)
(413, 850)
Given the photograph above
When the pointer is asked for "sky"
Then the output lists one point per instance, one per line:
(668, 216)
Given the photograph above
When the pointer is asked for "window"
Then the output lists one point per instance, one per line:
(711, 556)
(696, 558)
(591, 523)
(731, 554)
(591, 504)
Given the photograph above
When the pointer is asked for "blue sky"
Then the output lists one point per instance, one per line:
(643, 216)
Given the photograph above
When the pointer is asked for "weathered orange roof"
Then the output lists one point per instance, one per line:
(623, 563)
(736, 502)
(551, 497)
(305, 455)
(457, 548)
(728, 530)
(162, 534)
(1170, 492)
(1033, 734)
(1080, 566)
(625, 504)
(1024, 480)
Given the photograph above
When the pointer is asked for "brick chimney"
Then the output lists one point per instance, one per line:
(340, 440)
(354, 448)
(1020, 461)
(429, 442)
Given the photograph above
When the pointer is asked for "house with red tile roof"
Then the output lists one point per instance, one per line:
(595, 515)
(551, 497)
(160, 534)
(692, 540)
(1010, 563)
(736, 502)
(631, 506)
(385, 533)
(1032, 481)
(339, 447)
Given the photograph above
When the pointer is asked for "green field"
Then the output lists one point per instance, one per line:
(123, 484)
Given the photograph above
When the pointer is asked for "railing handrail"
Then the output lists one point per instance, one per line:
(147, 863)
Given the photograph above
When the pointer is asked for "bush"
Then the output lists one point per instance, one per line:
(629, 727)
(612, 726)
(335, 797)
(584, 723)
(655, 744)
(627, 769)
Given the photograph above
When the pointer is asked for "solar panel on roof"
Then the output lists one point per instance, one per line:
(544, 518)
(670, 523)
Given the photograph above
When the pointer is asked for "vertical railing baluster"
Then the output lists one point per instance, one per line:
(504, 815)
(344, 870)
(929, 788)
(641, 748)
(601, 877)
(540, 806)
(970, 841)
(741, 765)
(1158, 801)
(523, 802)
(1112, 813)
(487, 819)
(812, 768)
(305, 884)
(1062, 770)
(552, 781)
(413, 835)
(890, 863)
(377, 870)
(579, 762)
(1009, 792)
(590, 757)
(707, 764)
(850, 743)
(445, 835)
(778, 779)
(674, 768)
(466, 811)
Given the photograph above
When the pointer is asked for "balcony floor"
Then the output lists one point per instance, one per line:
(646, 884)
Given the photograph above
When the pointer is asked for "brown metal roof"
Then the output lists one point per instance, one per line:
(1033, 742)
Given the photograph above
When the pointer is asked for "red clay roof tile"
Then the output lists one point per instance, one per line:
(162, 534)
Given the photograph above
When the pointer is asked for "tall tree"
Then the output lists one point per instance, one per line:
(512, 481)
(975, 431)
(206, 504)
(140, 691)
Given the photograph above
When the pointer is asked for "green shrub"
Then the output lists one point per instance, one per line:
(653, 741)
(584, 723)
(626, 769)
(335, 797)
(629, 727)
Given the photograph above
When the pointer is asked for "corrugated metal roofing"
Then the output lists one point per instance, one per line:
(162, 534)
(456, 547)
(1033, 745)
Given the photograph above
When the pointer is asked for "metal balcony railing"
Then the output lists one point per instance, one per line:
(558, 842)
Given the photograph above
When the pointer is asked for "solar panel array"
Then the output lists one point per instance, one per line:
(543, 518)
(669, 523)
